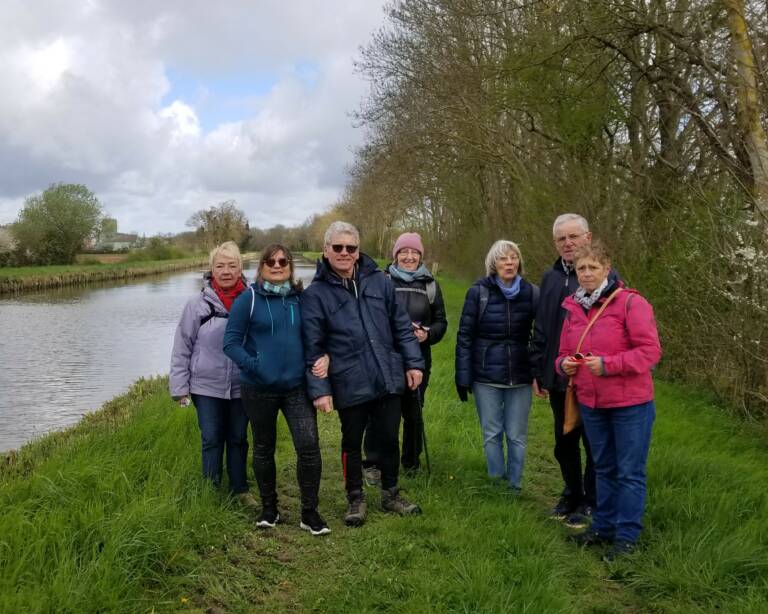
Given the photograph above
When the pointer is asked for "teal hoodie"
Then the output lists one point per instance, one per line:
(272, 357)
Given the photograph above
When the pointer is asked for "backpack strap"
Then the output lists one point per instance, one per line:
(431, 291)
(213, 313)
(483, 301)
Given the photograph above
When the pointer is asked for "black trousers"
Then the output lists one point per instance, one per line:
(578, 488)
(413, 429)
(384, 417)
(301, 416)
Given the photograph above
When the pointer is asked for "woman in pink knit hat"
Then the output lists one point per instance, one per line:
(419, 294)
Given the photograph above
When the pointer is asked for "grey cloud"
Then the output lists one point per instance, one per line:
(87, 84)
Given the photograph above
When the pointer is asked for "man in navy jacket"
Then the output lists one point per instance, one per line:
(570, 232)
(350, 312)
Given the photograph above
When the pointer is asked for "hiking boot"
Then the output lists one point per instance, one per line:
(356, 510)
(372, 476)
(580, 518)
(564, 508)
(589, 538)
(313, 522)
(269, 516)
(620, 548)
(391, 501)
(247, 500)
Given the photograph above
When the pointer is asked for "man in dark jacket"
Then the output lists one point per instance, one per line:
(570, 232)
(350, 312)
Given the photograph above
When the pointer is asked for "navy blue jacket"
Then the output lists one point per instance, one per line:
(493, 348)
(367, 335)
(556, 285)
(272, 357)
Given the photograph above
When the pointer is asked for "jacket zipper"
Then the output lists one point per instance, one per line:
(509, 349)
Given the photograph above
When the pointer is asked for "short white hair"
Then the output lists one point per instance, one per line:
(570, 217)
(340, 228)
(229, 249)
(501, 248)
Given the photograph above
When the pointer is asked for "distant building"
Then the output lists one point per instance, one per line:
(117, 241)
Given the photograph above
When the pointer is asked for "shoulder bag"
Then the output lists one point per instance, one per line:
(572, 415)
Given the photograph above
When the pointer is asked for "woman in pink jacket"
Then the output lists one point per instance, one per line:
(612, 378)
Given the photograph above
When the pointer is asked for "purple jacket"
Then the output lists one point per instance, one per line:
(198, 362)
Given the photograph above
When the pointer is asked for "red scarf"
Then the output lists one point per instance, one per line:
(228, 295)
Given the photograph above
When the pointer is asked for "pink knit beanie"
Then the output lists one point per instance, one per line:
(408, 239)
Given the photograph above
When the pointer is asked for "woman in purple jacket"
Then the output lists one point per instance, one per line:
(201, 372)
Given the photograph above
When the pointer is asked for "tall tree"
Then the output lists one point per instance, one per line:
(53, 226)
(222, 222)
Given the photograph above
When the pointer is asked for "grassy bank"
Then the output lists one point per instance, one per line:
(21, 279)
(112, 516)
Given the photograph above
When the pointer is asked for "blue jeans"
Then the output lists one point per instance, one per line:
(504, 412)
(620, 438)
(223, 423)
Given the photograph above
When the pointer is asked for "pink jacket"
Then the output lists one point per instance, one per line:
(625, 337)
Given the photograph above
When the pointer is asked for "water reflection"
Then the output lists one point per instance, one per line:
(66, 351)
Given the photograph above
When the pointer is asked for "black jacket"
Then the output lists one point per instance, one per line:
(556, 285)
(493, 348)
(413, 298)
(366, 333)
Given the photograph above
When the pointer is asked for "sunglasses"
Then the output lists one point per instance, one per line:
(351, 249)
(281, 262)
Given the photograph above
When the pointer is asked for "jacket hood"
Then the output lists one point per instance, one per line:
(365, 266)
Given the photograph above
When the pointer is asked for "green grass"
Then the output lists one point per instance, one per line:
(112, 516)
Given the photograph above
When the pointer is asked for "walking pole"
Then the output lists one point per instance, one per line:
(420, 403)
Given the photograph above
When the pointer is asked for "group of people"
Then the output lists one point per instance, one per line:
(358, 340)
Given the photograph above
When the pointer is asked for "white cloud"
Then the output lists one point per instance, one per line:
(90, 97)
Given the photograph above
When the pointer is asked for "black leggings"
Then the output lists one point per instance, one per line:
(413, 428)
(301, 416)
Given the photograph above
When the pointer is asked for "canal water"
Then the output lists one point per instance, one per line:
(65, 352)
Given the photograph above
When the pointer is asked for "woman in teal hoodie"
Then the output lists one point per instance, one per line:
(263, 338)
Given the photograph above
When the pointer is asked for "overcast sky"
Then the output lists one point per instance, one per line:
(165, 108)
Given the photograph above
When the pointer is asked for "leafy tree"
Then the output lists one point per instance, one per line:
(53, 226)
(107, 227)
(223, 222)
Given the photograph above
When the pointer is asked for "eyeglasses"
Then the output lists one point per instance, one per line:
(409, 252)
(573, 237)
(351, 249)
(281, 262)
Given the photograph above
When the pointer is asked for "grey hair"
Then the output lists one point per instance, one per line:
(499, 249)
(228, 249)
(340, 228)
(570, 217)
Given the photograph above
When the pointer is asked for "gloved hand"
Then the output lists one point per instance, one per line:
(463, 392)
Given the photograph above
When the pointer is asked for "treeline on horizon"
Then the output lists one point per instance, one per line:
(488, 118)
